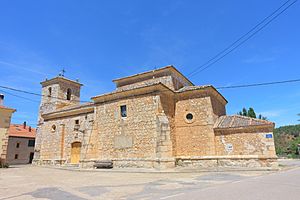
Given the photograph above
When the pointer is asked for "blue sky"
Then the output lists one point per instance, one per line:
(97, 41)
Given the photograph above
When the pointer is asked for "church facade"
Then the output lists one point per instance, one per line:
(155, 119)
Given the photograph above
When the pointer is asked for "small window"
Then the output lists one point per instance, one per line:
(189, 116)
(77, 126)
(31, 143)
(16, 156)
(53, 128)
(18, 145)
(123, 111)
(49, 91)
(69, 93)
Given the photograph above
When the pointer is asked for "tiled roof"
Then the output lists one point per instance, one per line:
(237, 121)
(169, 67)
(59, 78)
(17, 130)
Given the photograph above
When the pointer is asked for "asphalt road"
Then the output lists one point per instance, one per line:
(30, 182)
(284, 185)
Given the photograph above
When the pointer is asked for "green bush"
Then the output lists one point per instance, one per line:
(287, 139)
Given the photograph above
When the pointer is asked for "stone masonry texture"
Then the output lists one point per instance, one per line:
(169, 123)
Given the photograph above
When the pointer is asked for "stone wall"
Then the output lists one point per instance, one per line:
(56, 144)
(231, 162)
(3, 143)
(194, 137)
(5, 118)
(252, 141)
(137, 130)
(58, 96)
(144, 135)
(218, 108)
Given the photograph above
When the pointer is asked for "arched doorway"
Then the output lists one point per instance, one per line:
(75, 152)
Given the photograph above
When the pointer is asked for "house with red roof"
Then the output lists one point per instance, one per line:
(16, 140)
(21, 141)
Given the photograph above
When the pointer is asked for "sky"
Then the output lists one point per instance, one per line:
(97, 41)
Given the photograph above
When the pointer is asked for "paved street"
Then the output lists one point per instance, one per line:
(29, 182)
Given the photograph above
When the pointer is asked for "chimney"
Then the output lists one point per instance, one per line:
(24, 125)
(29, 128)
(1, 99)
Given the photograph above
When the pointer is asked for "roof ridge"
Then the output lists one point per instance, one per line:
(253, 119)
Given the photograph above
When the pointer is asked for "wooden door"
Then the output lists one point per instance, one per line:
(75, 152)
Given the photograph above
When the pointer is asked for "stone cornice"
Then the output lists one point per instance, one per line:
(159, 87)
(262, 128)
(67, 113)
(207, 88)
(59, 79)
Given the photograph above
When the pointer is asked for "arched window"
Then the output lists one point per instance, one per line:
(49, 91)
(69, 92)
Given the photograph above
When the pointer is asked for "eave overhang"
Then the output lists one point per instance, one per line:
(59, 79)
(159, 87)
(69, 112)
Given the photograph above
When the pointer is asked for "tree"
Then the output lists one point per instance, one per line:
(262, 117)
(251, 113)
(245, 113)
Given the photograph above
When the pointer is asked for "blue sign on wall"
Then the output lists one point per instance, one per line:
(269, 136)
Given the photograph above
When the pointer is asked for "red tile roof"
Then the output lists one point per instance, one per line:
(17, 130)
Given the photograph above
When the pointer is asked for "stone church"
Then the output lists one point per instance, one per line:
(155, 119)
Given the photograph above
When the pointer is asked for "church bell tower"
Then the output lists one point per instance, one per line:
(57, 93)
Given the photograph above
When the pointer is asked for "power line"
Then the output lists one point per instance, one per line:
(232, 44)
(36, 94)
(219, 88)
(35, 101)
(258, 84)
(207, 65)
